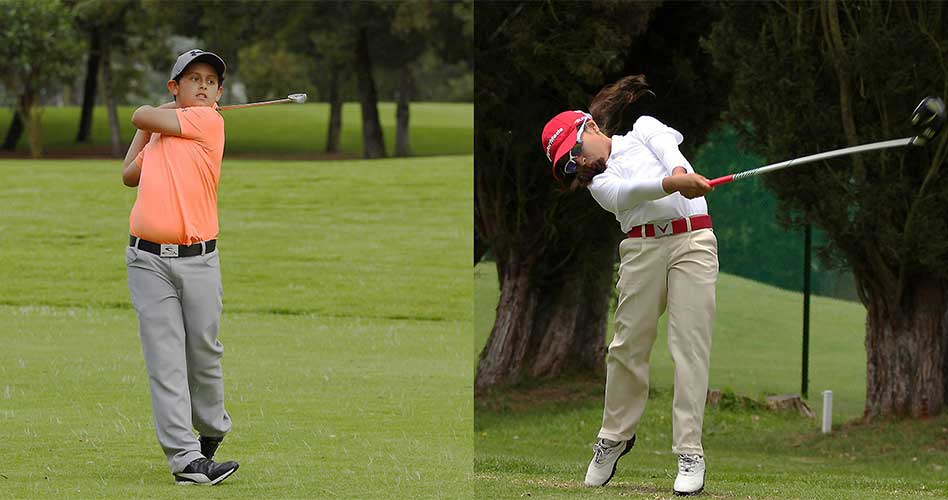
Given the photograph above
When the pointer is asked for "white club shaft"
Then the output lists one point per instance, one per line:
(252, 104)
(817, 157)
(825, 156)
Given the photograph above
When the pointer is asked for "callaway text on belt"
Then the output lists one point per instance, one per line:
(167, 250)
(676, 226)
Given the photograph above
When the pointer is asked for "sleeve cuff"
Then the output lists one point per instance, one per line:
(632, 194)
(654, 189)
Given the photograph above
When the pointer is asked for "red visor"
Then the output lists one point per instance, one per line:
(559, 135)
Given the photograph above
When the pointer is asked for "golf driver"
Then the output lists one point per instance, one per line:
(927, 119)
(295, 98)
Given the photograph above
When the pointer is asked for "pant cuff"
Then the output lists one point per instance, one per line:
(688, 450)
(179, 462)
(614, 437)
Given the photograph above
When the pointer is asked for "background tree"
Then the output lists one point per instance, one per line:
(555, 252)
(807, 78)
(368, 19)
(333, 47)
(295, 29)
(269, 71)
(107, 25)
(417, 29)
(37, 53)
(407, 39)
(317, 30)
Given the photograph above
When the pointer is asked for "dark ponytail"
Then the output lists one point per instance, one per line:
(606, 108)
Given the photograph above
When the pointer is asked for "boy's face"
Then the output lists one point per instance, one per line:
(199, 86)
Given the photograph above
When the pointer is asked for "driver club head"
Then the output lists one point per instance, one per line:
(297, 98)
(928, 119)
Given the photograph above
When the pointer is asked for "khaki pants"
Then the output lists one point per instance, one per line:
(680, 272)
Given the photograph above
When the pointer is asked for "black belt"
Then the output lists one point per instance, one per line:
(166, 250)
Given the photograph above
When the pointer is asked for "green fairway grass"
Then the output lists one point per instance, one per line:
(280, 130)
(535, 440)
(346, 326)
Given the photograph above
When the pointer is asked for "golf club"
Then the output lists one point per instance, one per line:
(295, 98)
(927, 119)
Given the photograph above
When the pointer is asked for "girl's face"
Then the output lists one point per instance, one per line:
(198, 86)
(596, 145)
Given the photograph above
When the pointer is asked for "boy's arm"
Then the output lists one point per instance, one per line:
(131, 171)
(162, 120)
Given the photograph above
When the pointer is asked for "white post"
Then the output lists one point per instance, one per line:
(827, 411)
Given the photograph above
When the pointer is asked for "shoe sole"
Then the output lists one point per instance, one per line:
(224, 475)
(190, 479)
(628, 448)
(691, 494)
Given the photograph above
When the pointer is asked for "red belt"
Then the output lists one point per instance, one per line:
(673, 227)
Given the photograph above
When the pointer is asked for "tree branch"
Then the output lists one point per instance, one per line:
(834, 39)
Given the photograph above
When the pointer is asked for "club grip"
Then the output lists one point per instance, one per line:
(721, 180)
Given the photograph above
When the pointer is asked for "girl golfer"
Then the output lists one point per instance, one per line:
(668, 260)
(173, 267)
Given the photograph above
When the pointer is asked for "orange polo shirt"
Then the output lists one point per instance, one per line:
(177, 191)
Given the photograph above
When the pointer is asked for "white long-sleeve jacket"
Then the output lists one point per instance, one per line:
(631, 185)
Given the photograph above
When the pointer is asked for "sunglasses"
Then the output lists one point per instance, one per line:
(572, 165)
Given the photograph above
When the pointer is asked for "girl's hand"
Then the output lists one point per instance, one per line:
(689, 185)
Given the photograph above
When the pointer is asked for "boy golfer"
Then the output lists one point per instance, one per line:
(173, 266)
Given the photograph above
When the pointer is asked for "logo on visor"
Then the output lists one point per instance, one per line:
(550, 143)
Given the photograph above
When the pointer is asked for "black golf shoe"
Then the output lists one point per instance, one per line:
(209, 445)
(204, 471)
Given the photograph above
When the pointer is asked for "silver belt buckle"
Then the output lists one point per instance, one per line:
(663, 229)
(169, 250)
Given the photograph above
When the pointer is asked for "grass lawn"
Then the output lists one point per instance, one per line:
(290, 129)
(346, 324)
(536, 440)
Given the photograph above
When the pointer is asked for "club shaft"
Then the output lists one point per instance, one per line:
(252, 104)
(812, 158)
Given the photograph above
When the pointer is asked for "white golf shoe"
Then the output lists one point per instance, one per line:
(690, 480)
(603, 465)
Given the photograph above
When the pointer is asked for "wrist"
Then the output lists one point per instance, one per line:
(670, 184)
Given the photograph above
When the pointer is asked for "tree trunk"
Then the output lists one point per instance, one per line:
(373, 144)
(546, 330)
(88, 95)
(907, 351)
(405, 91)
(16, 128)
(116, 137)
(335, 112)
(29, 109)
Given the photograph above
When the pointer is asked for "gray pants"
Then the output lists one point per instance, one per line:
(178, 301)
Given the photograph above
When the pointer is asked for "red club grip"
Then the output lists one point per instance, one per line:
(721, 180)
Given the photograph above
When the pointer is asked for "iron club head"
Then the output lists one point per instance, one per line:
(297, 98)
(928, 119)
